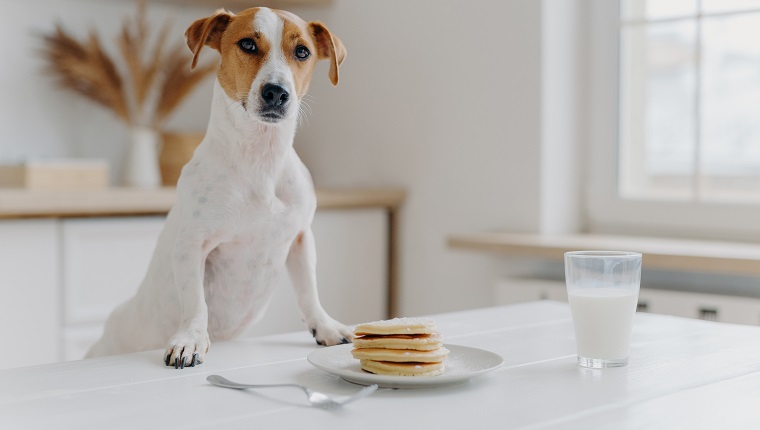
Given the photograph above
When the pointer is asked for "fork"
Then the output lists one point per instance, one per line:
(316, 398)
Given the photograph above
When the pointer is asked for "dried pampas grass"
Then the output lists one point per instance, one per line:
(173, 91)
(86, 69)
(155, 81)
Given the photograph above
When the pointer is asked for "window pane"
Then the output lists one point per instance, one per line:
(657, 110)
(730, 153)
(656, 9)
(710, 6)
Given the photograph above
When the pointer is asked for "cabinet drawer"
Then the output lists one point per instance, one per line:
(714, 307)
(511, 290)
(104, 261)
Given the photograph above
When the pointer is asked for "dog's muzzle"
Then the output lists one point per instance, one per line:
(274, 102)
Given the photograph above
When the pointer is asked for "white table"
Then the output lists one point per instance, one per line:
(683, 374)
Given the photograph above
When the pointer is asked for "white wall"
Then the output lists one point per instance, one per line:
(39, 120)
(443, 98)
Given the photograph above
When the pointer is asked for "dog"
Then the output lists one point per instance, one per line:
(245, 201)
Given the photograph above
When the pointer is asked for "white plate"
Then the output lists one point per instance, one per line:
(462, 364)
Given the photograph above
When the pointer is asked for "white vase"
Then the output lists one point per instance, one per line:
(141, 167)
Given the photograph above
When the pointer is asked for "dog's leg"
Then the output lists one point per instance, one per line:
(188, 346)
(302, 268)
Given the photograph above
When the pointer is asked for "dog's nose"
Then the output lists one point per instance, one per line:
(274, 95)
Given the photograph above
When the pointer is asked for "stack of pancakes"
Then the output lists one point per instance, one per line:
(400, 347)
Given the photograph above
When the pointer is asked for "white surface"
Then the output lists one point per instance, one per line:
(682, 374)
(462, 364)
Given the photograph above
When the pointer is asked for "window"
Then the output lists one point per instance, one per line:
(675, 117)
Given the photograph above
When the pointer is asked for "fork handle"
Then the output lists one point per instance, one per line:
(224, 382)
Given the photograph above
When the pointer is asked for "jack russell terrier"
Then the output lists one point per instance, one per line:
(245, 202)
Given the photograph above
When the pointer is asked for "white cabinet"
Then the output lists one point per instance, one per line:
(104, 261)
(61, 278)
(520, 289)
(712, 307)
(29, 300)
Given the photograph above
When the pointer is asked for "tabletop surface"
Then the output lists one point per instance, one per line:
(683, 374)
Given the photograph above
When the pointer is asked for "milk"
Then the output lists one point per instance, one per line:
(603, 319)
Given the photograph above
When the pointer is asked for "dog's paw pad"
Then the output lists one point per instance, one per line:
(185, 351)
(330, 332)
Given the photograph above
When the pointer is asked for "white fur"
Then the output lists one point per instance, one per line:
(245, 203)
(276, 70)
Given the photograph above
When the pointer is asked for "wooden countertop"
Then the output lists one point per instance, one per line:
(20, 203)
(673, 254)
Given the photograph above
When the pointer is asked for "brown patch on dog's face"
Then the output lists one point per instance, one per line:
(260, 47)
(240, 67)
(297, 41)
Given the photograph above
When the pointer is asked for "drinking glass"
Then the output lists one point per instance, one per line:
(603, 290)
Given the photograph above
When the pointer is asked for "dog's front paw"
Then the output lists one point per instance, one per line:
(327, 332)
(187, 348)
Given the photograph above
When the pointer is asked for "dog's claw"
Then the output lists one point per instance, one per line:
(168, 357)
(321, 342)
(195, 360)
(314, 332)
(344, 340)
(182, 363)
(176, 363)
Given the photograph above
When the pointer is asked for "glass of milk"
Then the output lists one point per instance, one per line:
(603, 289)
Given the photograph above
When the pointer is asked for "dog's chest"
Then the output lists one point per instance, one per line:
(254, 249)
(272, 221)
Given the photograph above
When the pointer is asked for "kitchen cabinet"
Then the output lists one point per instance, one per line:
(712, 307)
(63, 277)
(103, 262)
(29, 302)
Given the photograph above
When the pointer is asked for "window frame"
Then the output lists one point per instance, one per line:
(605, 211)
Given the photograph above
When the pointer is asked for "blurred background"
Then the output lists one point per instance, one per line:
(467, 145)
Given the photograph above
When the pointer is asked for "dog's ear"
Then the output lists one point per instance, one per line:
(207, 31)
(328, 46)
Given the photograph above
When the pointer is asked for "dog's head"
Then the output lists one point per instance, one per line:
(268, 57)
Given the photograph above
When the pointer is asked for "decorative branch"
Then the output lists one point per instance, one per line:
(156, 82)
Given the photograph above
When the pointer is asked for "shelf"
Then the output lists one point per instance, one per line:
(670, 254)
(18, 203)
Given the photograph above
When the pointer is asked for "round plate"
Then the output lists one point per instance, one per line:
(462, 364)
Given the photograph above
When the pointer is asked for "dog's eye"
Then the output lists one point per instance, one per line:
(247, 44)
(302, 52)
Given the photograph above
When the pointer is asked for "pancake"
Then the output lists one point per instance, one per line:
(400, 347)
(402, 369)
(420, 342)
(397, 326)
(400, 356)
